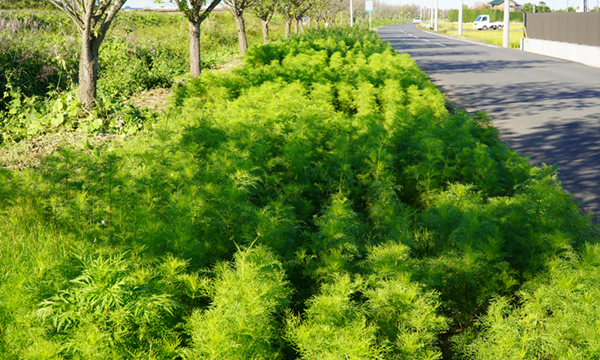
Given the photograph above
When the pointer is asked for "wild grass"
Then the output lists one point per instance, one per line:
(143, 51)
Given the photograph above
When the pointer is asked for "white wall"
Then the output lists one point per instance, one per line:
(585, 54)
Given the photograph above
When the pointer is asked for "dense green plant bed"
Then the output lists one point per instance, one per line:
(319, 202)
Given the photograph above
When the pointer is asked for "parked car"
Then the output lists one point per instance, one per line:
(417, 20)
(483, 23)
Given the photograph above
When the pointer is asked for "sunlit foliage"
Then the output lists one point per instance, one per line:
(320, 201)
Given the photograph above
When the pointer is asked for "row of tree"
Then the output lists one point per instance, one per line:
(94, 17)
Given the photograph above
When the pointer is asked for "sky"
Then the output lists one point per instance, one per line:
(443, 4)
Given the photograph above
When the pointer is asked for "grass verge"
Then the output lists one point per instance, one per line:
(492, 37)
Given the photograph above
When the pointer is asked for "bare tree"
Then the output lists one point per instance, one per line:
(192, 10)
(296, 10)
(358, 11)
(320, 9)
(93, 19)
(333, 8)
(302, 7)
(285, 8)
(293, 11)
(236, 8)
(264, 10)
(317, 12)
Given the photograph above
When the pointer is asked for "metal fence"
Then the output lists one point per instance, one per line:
(579, 28)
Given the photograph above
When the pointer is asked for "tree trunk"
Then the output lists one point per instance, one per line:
(295, 26)
(88, 71)
(265, 28)
(195, 64)
(287, 29)
(309, 23)
(301, 25)
(317, 24)
(241, 30)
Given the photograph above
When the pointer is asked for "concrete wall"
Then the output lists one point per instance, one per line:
(578, 28)
(585, 54)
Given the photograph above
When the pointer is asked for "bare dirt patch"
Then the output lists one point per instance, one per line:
(31, 152)
(232, 64)
(155, 99)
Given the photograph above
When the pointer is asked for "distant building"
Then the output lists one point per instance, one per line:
(499, 5)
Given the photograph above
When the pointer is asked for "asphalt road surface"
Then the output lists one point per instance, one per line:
(545, 108)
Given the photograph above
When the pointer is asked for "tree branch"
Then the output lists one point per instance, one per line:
(209, 9)
(67, 8)
(112, 12)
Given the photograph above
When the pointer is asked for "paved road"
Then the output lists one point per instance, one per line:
(545, 108)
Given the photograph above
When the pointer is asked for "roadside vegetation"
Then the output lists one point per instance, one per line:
(492, 37)
(319, 201)
(143, 51)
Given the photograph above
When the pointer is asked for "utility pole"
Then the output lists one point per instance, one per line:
(460, 17)
(506, 38)
(436, 16)
(431, 16)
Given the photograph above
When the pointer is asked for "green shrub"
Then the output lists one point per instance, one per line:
(556, 316)
(35, 56)
(129, 67)
(334, 326)
(245, 298)
(111, 309)
(405, 313)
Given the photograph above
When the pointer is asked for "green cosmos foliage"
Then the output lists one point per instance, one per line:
(241, 321)
(556, 316)
(114, 306)
(472, 249)
(334, 326)
(406, 314)
(373, 222)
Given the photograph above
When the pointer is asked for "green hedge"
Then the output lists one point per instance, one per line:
(469, 15)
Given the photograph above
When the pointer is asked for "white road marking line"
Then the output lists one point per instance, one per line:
(440, 45)
(425, 40)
